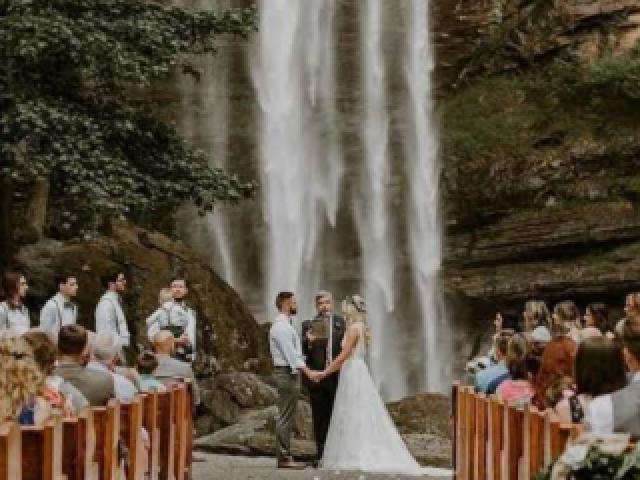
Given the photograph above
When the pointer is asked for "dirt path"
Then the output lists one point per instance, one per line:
(224, 467)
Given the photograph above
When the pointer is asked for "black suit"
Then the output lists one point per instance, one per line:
(322, 394)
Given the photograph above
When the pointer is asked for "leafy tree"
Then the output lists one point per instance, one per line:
(74, 123)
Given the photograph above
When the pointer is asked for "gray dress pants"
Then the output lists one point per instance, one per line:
(288, 385)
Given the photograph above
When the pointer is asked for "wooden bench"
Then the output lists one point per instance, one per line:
(493, 441)
(86, 447)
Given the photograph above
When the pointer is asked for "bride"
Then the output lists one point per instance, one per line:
(362, 436)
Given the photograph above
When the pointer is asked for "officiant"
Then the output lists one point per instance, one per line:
(321, 343)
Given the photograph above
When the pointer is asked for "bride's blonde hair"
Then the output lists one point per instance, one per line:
(355, 311)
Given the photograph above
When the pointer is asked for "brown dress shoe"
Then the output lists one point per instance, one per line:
(290, 464)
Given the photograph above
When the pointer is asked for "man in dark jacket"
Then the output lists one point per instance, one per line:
(321, 343)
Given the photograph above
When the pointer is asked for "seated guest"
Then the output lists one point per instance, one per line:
(631, 309)
(146, 364)
(60, 394)
(14, 315)
(596, 320)
(600, 370)
(566, 317)
(104, 352)
(625, 403)
(170, 369)
(494, 374)
(558, 356)
(21, 383)
(537, 321)
(517, 390)
(505, 320)
(73, 356)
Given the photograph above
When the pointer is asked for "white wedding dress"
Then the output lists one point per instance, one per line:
(362, 436)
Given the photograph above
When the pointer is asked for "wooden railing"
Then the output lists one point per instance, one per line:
(86, 447)
(493, 441)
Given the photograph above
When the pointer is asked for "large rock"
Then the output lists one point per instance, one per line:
(227, 335)
(247, 389)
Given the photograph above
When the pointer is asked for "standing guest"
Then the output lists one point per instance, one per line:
(286, 353)
(74, 352)
(14, 315)
(537, 320)
(60, 394)
(60, 309)
(600, 370)
(109, 315)
(177, 318)
(170, 369)
(146, 365)
(320, 349)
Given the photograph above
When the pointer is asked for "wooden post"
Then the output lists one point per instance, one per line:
(559, 434)
(78, 447)
(512, 444)
(480, 442)
(10, 452)
(167, 435)
(131, 434)
(190, 410)
(107, 428)
(533, 441)
(179, 419)
(495, 421)
(455, 416)
(150, 422)
(461, 473)
(470, 420)
(42, 451)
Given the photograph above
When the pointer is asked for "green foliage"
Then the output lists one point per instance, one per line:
(71, 108)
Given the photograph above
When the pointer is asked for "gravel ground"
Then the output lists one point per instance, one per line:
(225, 467)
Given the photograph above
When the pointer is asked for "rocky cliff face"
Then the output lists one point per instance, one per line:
(229, 338)
(540, 152)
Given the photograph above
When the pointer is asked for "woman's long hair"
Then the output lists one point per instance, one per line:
(21, 379)
(354, 310)
(10, 285)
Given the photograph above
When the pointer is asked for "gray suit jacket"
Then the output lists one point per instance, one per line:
(96, 386)
(171, 368)
(626, 409)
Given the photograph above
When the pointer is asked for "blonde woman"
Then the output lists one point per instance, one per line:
(567, 321)
(537, 319)
(362, 436)
(21, 383)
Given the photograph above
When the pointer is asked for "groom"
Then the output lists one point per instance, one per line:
(288, 361)
(321, 343)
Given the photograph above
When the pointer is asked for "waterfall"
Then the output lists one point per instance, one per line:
(372, 212)
(292, 70)
(422, 205)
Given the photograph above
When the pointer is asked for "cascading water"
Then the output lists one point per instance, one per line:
(372, 212)
(422, 208)
(313, 117)
(292, 71)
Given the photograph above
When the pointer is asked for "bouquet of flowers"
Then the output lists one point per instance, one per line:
(596, 457)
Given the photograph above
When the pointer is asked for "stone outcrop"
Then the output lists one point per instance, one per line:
(228, 336)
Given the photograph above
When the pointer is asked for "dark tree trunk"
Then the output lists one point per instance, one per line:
(38, 201)
(6, 227)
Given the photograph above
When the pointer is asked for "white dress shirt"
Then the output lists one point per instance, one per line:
(600, 412)
(57, 312)
(284, 344)
(14, 319)
(173, 313)
(110, 319)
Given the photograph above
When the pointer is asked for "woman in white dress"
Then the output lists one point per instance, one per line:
(362, 436)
